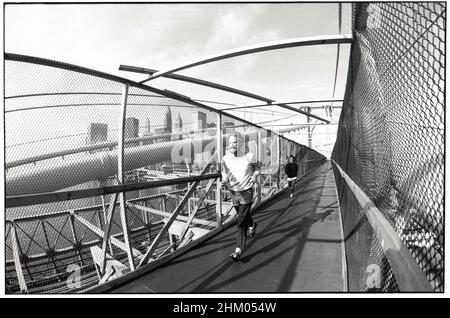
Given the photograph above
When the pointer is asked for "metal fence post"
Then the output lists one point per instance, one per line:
(163, 203)
(105, 218)
(16, 255)
(50, 251)
(279, 161)
(146, 221)
(189, 205)
(121, 176)
(75, 238)
(308, 120)
(259, 161)
(219, 152)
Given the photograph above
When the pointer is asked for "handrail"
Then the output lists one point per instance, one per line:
(31, 199)
(90, 208)
(407, 272)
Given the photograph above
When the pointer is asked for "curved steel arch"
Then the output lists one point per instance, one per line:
(285, 103)
(229, 89)
(193, 80)
(268, 46)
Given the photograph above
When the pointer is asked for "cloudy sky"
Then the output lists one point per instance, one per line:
(103, 36)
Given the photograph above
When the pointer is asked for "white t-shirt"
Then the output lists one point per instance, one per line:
(239, 171)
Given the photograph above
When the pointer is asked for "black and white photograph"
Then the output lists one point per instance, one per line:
(223, 149)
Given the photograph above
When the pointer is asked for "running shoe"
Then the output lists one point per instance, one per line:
(235, 256)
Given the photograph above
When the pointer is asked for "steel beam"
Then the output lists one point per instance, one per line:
(219, 155)
(121, 176)
(304, 113)
(168, 214)
(259, 159)
(274, 103)
(49, 249)
(227, 89)
(169, 222)
(108, 222)
(197, 207)
(197, 81)
(17, 264)
(75, 238)
(105, 218)
(101, 233)
(275, 45)
(41, 198)
(279, 161)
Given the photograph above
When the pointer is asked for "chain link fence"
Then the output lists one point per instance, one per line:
(391, 137)
(63, 141)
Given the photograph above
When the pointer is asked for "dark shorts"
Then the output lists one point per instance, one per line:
(241, 197)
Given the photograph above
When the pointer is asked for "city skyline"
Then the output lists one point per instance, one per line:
(134, 127)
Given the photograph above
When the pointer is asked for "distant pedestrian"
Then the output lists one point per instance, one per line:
(291, 170)
(239, 173)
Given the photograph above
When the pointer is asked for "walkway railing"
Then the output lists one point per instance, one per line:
(390, 143)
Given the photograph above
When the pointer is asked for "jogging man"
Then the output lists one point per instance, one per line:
(239, 173)
(291, 170)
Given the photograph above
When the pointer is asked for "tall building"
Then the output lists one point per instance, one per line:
(168, 120)
(146, 132)
(178, 127)
(97, 133)
(131, 130)
(198, 120)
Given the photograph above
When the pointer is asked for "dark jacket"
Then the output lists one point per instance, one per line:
(291, 170)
